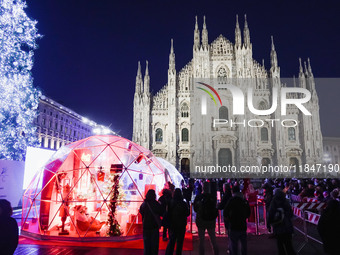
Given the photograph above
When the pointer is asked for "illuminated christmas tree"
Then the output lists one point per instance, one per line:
(18, 97)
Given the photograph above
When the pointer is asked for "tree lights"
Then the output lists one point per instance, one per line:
(18, 97)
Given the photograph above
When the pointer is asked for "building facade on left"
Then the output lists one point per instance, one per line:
(58, 125)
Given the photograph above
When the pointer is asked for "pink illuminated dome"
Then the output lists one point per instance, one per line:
(93, 188)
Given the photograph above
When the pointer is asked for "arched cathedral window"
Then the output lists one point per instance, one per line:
(159, 135)
(264, 134)
(291, 134)
(222, 75)
(185, 135)
(185, 110)
(223, 113)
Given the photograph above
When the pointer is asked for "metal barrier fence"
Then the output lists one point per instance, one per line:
(301, 212)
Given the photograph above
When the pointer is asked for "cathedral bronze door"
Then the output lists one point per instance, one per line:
(224, 157)
(185, 167)
(294, 162)
(265, 162)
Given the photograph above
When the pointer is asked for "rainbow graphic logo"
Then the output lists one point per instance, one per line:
(204, 99)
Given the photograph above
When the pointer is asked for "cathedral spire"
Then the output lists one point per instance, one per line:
(306, 70)
(300, 68)
(139, 81)
(139, 71)
(147, 79)
(172, 68)
(302, 78)
(273, 56)
(238, 38)
(196, 36)
(204, 35)
(246, 33)
(309, 68)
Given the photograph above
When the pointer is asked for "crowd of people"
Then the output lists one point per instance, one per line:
(235, 198)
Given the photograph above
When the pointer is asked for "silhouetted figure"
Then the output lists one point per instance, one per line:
(178, 213)
(165, 200)
(225, 199)
(9, 233)
(329, 227)
(280, 218)
(151, 211)
(205, 207)
(268, 196)
(237, 211)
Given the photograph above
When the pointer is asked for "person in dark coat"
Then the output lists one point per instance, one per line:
(165, 200)
(268, 196)
(178, 214)
(280, 218)
(151, 211)
(329, 227)
(225, 199)
(204, 223)
(9, 233)
(236, 212)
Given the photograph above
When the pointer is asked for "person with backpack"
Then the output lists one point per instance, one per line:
(236, 213)
(151, 211)
(177, 215)
(206, 214)
(280, 218)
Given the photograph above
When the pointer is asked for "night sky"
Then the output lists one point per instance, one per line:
(87, 58)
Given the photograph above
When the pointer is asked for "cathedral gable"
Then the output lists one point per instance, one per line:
(222, 47)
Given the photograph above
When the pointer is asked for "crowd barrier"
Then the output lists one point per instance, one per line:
(302, 208)
(302, 211)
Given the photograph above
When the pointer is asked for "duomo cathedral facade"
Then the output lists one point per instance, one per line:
(169, 125)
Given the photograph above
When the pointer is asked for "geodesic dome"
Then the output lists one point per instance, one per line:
(93, 188)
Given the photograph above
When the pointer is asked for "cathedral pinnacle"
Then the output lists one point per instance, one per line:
(300, 67)
(139, 72)
(172, 58)
(147, 69)
(139, 82)
(309, 67)
(204, 35)
(246, 33)
(196, 36)
(238, 39)
(146, 79)
(273, 56)
(306, 70)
